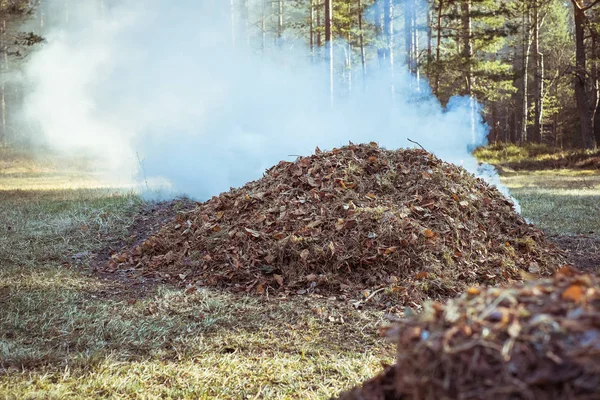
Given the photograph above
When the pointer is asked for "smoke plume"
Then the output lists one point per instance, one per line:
(158, 91)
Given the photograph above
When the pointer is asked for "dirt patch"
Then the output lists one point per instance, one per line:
(582, 251)
(537, 340)
(382, 387)
(401, 223)
(148, 222)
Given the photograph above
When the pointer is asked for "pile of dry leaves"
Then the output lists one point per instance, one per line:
(358, 217)
(536, 340)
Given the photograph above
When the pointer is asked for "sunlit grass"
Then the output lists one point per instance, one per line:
(558, 190)
(234, 376)
(44, 169)
(559, 201)
(537, 156)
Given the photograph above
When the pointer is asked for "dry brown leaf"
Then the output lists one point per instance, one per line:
(278, 279)
(566, 270)
(473, 291)
(390, 250)
(574, 293)
(422, 275)
(260, 289)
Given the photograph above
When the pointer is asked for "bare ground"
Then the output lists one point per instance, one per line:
(583, 251)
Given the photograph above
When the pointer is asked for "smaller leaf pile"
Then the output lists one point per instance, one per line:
(358, 217)
(537, 340)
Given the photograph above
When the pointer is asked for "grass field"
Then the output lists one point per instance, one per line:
(67, 333)
(559, 201)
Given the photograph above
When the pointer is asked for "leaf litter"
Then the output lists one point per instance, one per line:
(538, 339)
(354, 219)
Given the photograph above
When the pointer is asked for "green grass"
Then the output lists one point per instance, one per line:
(558, 201)
(66, 333)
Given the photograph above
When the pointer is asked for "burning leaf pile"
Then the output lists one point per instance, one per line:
(537, 340)
(357, 217)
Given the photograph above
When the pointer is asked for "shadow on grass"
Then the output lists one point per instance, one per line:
(575, 161)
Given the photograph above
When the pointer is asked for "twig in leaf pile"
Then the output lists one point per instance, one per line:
(417, 143)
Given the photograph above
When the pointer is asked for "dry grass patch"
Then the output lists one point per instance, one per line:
(85, 338)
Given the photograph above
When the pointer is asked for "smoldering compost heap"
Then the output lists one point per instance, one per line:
(537, 340)
(357, 217)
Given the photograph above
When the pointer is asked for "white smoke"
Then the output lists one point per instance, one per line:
(159, 81)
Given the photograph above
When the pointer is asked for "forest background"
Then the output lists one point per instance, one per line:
(532, 64)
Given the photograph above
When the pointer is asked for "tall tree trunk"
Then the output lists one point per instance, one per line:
(329, 43)
(525, 72)
(361, 37)
(349, 60)
(379, 31)
(3, 72)
(467, 50)
(467, 53)
(415, 42)
(279, 22)
(429, 37)
(263, 26)
(388, 27)
(538, 75)
(515, 131)
(581, 96)
(319, 37)
(555, 122)
(507, 126)
(388, 32)
(595, 84)
(312, 30)
(436, 86)
(408, 34)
